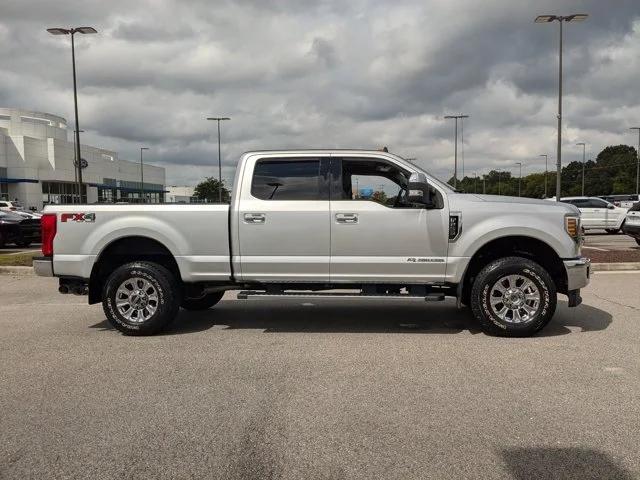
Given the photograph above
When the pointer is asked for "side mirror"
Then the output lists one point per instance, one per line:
(419, 191)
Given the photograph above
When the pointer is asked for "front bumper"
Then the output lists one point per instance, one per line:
(43, 266)
(578, 273)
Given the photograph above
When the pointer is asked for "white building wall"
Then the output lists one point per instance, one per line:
(34, 145)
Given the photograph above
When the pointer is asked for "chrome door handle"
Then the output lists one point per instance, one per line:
(346, 217)
(254, 217)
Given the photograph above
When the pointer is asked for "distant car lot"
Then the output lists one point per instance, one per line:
(318, 389)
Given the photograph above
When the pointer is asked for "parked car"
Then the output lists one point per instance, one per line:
(28, 214)
(8, 206)
(624, 201)
(295, 228)
(16, 229)
(632, 223)
(598, 214)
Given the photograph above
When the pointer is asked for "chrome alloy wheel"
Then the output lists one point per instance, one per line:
(136, 299)
(515, 299)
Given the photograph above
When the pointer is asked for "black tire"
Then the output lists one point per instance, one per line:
(612, 231)
(486, 280)
(204, 302)
(167, 297)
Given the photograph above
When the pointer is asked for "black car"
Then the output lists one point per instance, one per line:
(17, 229)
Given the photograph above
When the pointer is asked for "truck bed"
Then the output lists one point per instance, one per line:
(196, 235)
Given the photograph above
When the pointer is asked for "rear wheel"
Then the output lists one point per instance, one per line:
(513, 297)
(204, 302)
(141, 298)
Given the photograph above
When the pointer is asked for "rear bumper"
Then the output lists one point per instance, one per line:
(578, 273)
(43, 266)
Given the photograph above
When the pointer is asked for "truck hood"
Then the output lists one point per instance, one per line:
(516, 202)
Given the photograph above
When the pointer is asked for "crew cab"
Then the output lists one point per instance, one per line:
(306, 223)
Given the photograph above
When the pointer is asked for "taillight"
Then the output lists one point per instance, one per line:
(48, 230)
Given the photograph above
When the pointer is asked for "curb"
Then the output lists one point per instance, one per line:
(615, 267)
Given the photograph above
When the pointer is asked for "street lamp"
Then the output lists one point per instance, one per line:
(142, 175)
(546, 157)
(219, 119)
(520, 176)
(584, 147)
(637, 161)
(455, 148)
(576, 17)
(72, 32)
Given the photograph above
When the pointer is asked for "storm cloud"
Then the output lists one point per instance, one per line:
(357, 74)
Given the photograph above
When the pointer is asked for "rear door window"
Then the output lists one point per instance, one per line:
(283, 179)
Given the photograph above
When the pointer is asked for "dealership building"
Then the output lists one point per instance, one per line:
(37, 157)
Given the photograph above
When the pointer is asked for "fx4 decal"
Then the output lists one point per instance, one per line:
(78, 217)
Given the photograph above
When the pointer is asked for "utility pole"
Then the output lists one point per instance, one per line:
(637, 161)
(546, 169)
(584, 147)
(455, 147)
(219, 119)
(498, 182)
(520, 176)
(576, 17)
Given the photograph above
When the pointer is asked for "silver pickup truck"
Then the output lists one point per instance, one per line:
(319, 223)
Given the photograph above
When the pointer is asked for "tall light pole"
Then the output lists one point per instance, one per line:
(72, 32)
(475, 183)
(546, 158)
(75, 172)
(637, 161)
(498, 182)
(520, 176)
(576, 17)
(455, 148)
(142, 175)
(484, 184)
(219, 119)
(584, 148)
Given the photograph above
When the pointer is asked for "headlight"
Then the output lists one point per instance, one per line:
(572, 226)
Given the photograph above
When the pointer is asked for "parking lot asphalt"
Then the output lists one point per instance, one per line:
(602, 241)
(318, 389)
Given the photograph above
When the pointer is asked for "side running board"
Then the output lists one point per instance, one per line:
(429, 297)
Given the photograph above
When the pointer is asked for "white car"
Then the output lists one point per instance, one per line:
(9, 206)
(598, 214)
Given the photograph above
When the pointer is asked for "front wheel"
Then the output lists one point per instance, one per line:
(513, 297)
(141, 298)
(204, 302)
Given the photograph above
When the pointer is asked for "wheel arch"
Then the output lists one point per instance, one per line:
(513, 245)
(124, 250)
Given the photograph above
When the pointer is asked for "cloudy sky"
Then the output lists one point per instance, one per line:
(314, 73)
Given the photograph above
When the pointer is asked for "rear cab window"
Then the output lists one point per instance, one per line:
(288, 179)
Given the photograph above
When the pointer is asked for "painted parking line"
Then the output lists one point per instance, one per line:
(596, 248)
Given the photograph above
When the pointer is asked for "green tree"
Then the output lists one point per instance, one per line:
(209, 190)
